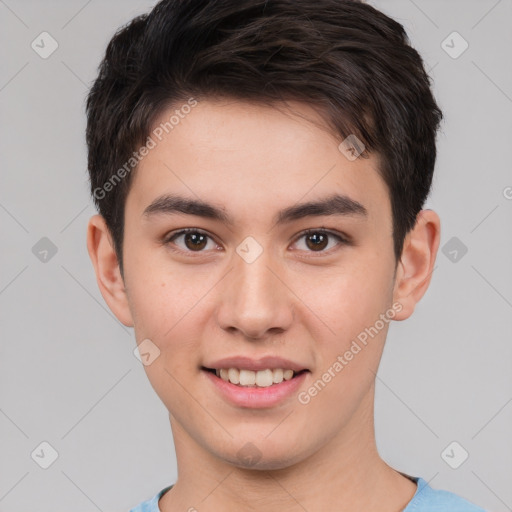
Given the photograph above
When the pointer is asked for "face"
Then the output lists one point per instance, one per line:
(248, 282)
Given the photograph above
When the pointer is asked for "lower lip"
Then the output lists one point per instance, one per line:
(255, 397)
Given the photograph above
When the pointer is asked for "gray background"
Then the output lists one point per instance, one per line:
(68, 375)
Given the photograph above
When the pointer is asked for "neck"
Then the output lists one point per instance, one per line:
(346, 472)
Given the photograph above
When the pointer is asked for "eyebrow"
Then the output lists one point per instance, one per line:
(336, 204)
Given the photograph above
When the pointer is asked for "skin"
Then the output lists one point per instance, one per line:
(253, 161)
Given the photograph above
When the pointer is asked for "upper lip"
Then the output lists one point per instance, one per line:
(263, 363)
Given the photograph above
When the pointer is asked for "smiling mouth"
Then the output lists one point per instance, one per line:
(254, 379)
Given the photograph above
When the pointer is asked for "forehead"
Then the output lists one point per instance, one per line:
(243, 152)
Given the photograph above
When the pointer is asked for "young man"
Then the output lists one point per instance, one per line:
(260, 169)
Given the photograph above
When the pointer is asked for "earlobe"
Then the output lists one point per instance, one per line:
(106, 266)
(416, 264)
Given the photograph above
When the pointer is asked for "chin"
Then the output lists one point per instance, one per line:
(263, 464)
(263, 455)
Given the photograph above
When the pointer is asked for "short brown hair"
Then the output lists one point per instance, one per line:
(351, 61)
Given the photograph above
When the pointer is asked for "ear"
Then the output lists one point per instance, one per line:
(414, 270)
(108, 275)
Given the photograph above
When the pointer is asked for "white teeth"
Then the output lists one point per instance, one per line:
(247, 378)
(234, 376)
(287, 374)
(278, 376)
(264, 378)
(261, 378)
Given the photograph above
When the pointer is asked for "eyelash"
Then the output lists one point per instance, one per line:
(173, 236)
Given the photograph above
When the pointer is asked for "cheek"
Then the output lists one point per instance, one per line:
(170, 312)
(347, 299)
(160, 295)
(166, 315)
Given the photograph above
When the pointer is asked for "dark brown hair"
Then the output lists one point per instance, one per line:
(344, 57)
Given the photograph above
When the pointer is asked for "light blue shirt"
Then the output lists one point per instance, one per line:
(425, 499)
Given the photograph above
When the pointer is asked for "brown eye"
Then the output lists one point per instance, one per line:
(317, 240)
(193, 240)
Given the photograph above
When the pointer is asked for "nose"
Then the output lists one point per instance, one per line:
(255, 301)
